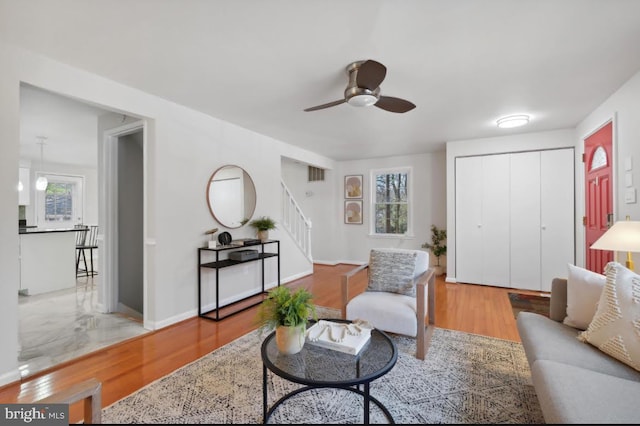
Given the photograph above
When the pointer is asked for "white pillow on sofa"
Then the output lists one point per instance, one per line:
(615, 328)
(583, 293)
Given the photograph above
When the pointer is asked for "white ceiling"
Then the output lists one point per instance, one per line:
(259, 63)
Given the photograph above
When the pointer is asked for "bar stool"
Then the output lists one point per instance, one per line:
(86, 239)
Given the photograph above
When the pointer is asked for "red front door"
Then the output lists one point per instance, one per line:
(598, 195)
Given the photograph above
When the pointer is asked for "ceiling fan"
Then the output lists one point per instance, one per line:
(363, 89)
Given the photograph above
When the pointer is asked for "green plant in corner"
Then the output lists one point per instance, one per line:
(438, 244)
(283, 307)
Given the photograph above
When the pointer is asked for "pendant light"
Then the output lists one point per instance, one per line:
(42, 182)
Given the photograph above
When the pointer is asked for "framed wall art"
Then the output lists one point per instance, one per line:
(353, 212)
(353, 186)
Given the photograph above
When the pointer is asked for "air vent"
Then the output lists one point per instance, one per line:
(315, 174)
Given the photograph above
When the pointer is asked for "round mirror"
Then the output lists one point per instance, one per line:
(231, 196)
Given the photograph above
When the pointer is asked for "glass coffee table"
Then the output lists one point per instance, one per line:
(316, 367)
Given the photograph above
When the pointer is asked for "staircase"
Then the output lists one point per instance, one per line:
(294, 221)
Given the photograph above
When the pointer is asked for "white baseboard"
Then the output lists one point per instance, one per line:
(10, 377)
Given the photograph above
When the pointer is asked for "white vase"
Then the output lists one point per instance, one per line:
(290, 339)
(263, 235)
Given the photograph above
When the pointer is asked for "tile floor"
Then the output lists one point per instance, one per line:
(58, 326)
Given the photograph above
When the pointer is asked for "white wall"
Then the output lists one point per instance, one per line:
(512, 143)
(624, 108)
(352, 243)
(182, 148)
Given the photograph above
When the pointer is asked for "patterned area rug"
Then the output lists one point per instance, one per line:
(529, 303)
(466, 378)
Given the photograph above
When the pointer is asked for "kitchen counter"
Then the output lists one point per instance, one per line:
(36, 230)
(47, 260)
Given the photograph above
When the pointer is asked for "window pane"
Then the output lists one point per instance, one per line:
(391, 188)
(58, 202)
(599, 158)
(391, 218)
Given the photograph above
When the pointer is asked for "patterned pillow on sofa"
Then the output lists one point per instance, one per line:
(615, 328)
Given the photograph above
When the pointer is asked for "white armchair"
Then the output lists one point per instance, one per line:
(400, 295)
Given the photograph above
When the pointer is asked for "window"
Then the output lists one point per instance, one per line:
(599, 158)
(391, 206)
(61, 204)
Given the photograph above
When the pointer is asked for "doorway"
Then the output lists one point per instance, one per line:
(598, 166)
(124, 280)
(55, 327)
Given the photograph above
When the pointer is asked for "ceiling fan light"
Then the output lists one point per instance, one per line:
(362, 100)
(513, 121)
(42, 183)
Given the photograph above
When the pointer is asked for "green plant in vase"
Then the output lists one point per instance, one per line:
(438, 245)
(287, 312)
(263, 225)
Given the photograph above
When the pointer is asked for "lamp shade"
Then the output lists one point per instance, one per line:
(624, 235)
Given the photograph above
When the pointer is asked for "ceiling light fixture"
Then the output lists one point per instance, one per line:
(513, 121)
(42, 182)
(363, 100)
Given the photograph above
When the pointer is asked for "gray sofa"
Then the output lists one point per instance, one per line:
(575, 382)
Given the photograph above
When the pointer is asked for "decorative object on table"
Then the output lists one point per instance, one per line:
(224, 238)
(529, 303)
(212, 242)
(353, 186)
(438, 246)
(347, 337)
(263, 225)
(246, 241)
(243, 255)
(353, 212)
(287, 311)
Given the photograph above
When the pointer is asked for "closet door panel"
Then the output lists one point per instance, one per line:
(557, 214)
(495, 220)
(525, 221)
(468, 219)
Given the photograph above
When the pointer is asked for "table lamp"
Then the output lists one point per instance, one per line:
(624, 235)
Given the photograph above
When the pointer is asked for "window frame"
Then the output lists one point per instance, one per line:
(77, 201)
(372, 203)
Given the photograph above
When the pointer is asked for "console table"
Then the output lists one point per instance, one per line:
(214, 314)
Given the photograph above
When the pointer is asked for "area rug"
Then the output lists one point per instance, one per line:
(529, 303)
(466, 378)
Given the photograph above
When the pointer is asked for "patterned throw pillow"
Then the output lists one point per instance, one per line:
(392, 270)
(615, 328)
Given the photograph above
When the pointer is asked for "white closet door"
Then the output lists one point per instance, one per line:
(468, 219)
(557, 214)
(495, 220)
(525, 220)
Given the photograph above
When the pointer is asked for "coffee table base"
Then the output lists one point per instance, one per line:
(365, 394)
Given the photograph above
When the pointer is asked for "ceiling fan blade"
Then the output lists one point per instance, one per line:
(392, 104)
(323, 106)
(371, 74)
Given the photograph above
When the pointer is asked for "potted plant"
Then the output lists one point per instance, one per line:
(263, 225)
(287, 311)
(438, 246)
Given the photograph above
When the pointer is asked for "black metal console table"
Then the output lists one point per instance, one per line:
(214, 314)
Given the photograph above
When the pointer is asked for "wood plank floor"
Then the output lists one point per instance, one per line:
(126, 367)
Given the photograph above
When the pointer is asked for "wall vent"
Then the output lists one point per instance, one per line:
(315, 174)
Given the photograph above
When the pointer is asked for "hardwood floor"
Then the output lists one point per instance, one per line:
(126, 367)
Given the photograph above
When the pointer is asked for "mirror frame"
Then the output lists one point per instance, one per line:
(209, 201)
